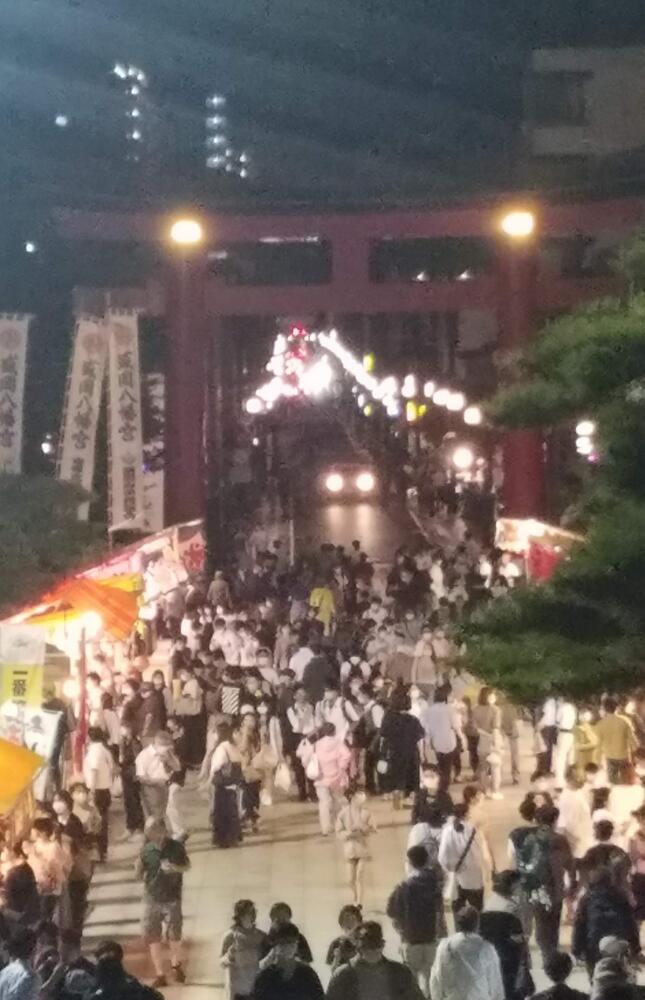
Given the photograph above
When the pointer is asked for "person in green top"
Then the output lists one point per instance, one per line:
(161, 866)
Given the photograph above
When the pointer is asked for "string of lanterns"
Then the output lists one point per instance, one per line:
(295, 372)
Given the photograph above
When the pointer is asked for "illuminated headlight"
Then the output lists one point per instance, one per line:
(334, 482)
(365, 482)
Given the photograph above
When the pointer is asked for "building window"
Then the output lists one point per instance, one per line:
(558, 98)
(274, 261)
(429, 259)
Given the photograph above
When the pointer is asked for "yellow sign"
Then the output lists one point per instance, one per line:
(22, 658)
(22, 684)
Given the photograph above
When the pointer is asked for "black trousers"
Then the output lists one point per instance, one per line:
(134, 818)
(445, 763)
(547, 928)
(102, 800)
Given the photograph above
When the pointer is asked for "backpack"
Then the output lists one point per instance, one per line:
(533, 863)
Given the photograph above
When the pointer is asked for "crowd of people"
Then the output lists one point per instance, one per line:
(338, 682)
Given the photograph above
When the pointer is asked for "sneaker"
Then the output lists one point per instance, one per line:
(497, 796)
(158, 982)
(178, 974)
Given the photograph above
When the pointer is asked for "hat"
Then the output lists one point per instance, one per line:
(247, 710)
(611, 946)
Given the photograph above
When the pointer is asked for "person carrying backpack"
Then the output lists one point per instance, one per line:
(545, 863)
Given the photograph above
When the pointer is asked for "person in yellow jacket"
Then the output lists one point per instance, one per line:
(321, 602)
(616, 740)
(585, 742)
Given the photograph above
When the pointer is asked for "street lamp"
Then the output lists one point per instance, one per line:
(519, 223)
(187, 233)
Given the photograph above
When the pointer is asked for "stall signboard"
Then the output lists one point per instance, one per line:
(22, 660)
(35, 729)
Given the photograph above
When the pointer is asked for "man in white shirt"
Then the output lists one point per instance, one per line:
(465, 965)
(154, 767)
(566, 717)
(264, 663)
(442, 724)
(300, 659)
(340, 712)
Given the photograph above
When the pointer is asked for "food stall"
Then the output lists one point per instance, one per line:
(542, 546)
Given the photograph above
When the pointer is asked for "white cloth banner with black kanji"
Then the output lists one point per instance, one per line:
(76, 455)
(14, 333)
(125, 425)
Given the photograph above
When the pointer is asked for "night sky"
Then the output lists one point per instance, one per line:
(336, 101)
(341, 99)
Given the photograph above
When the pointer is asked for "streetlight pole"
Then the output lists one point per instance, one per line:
(523, 450)
(185, 374)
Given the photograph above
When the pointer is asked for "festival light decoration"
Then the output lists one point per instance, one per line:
(297, 372)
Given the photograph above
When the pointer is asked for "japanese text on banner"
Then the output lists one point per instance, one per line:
(126, 435)
(14, 331)
(80, 419)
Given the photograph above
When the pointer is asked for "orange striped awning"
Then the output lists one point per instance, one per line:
(118, 609)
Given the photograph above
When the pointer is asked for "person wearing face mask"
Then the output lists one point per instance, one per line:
(264, 664)
(129, 749)
(424, 668)
(354, 826)
(283, 975)
(271, 752)
(70, 829)
(372, 975)
(337, 710)
(242, 949)
(487, 718)
(431, 796)
(154, 767)
(442, 724)
(190, 711)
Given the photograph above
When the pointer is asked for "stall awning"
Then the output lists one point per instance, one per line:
(117, 609)
(17, 767)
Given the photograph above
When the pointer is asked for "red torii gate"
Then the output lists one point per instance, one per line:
(196, 301)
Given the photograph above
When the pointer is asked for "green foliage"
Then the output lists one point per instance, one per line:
(41, 538)
(583, 633)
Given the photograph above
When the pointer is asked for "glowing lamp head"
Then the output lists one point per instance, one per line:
(519, 224)
(456, 402)
(365, 482)
(472, 416)
(584, 445)
(187, 232)
(585, 428)
(71, 688)
(441, 397)
(334, 482)
(429, 389)
(463, 458)
(254, 405)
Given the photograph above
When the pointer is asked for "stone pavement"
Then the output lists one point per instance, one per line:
(288, 860)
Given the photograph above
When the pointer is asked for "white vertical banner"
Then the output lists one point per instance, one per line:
(125, 432)
(14, 333)
(153, 477)
(77, 449)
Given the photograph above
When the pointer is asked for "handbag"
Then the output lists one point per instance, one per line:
(450, 887)
(283, 778)
(312, 769)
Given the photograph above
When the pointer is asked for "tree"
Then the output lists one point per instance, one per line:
(584, 632)
(41, 538)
